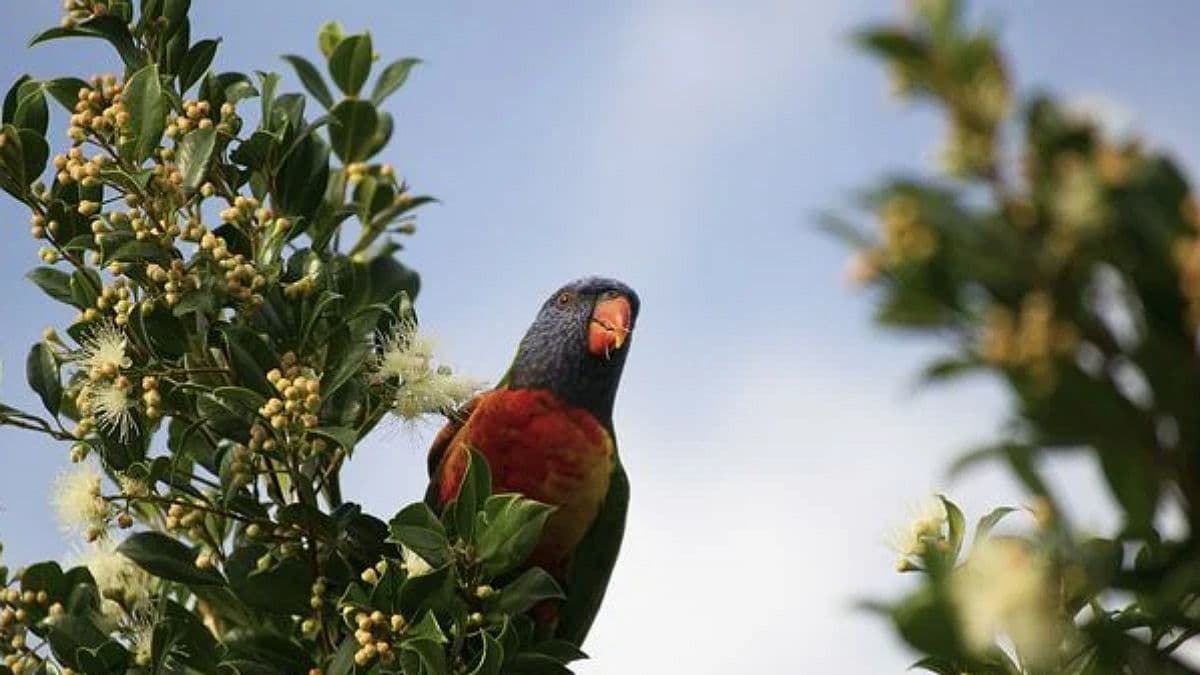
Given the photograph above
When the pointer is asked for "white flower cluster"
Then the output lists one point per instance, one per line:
(422, 387)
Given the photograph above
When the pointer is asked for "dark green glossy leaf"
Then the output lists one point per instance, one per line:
(418, 529)
(143, 98)
(533, 663)
(283, 587)
(342, 436)
(311, 78)
(350, 63)
(392, 78)
(513, 527)
(41, 370)
(31, 111)
(491, 657)
(65, 90)
(195, 62)
(533, 586)
(110, 28)
(193, 155)
(475, 488)
(352, 129)
(300, 184)
(166, 558)
(55, 283)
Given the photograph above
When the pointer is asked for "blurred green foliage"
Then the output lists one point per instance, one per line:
(1064, 261)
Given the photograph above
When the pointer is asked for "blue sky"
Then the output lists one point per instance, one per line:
(771, 433)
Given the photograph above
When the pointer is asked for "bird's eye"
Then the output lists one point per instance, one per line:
(609, 295)
(564, 298)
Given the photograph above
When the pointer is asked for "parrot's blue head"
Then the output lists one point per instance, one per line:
(578, 343)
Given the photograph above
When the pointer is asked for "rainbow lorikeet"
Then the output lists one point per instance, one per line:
(546, 431)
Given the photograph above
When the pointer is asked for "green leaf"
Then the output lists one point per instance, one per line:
(421, 592)
(168, 559)
(195, 63)
(140, 252)
(957, 525)
(85, 285)
(1132, 478)
(55, 283)
(41, 369)
(352, 129)
(343, 659)
(343, 436)
(263, 650)
(9, 111)
(989, 521)
(926, 622)
(491, 658)
(311, 78)
(143, 98)
(533, 663)
(108, 27)
(392, 78)
(419, 530)
(192, 156)
(476, 487)
(31, 111)
(301, 180)
(346, 358)
(283, 588)
(68, 634)
(562, 650)
(251, 358)
(431, 656)
(350, 63)
(65, 90)
(513, 527)
(533, 586)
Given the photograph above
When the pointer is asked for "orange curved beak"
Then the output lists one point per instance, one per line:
(609, 327)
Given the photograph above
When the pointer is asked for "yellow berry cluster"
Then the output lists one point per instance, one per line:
(79, 11)
(74, 167)
(1031, 338)
(242, 279)
(244, 209)
(151, 397)
(299, 397)
(906, 237)
(356, 171)
(118, 298)
(189, 520)
(241, 466)
(17, 609)
(301, 287)
(99, 110)
(173, 281)
(376, 634)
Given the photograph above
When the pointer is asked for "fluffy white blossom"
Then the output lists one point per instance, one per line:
(926, 523)
(112, 407)
(78, 502)
(1005, 589)
(117, 577)
(104, 350)
(423, 387)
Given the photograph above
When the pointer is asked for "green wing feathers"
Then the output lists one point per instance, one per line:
(593, 561)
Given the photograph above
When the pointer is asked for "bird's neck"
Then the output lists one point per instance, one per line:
(588, 385)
